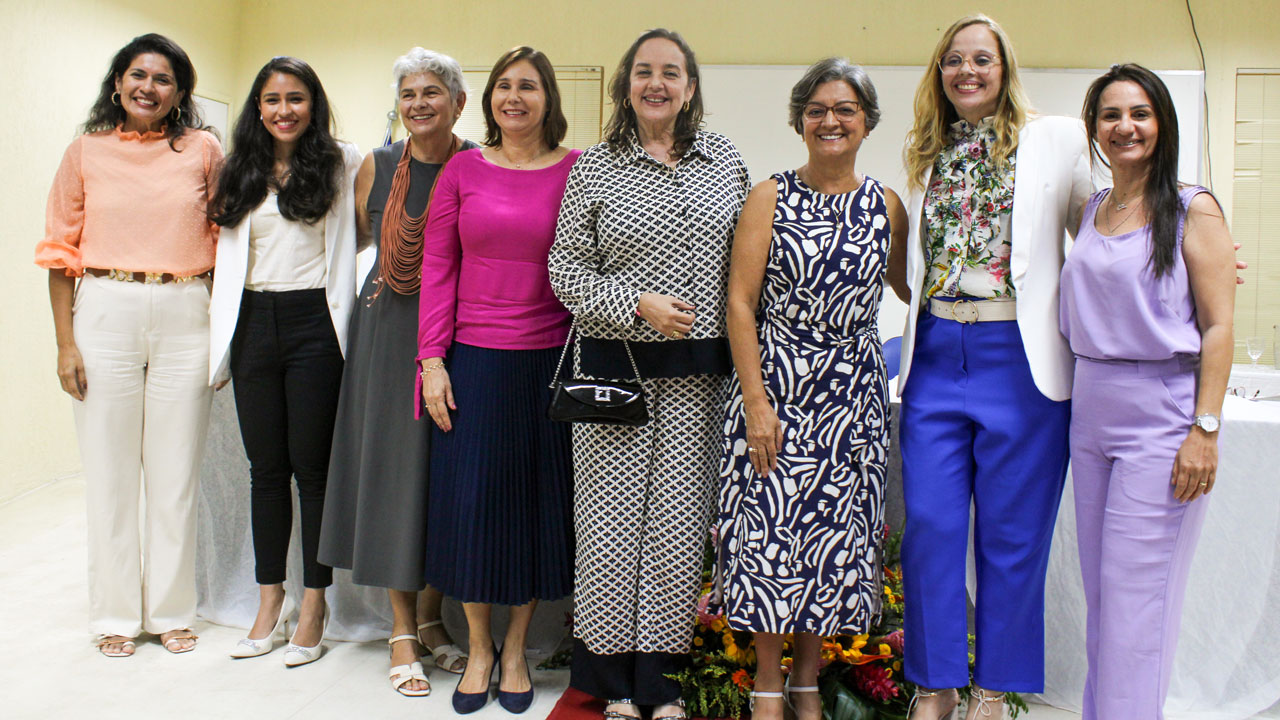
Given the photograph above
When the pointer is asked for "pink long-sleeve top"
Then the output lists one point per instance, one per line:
(127, 201)
(484, 258)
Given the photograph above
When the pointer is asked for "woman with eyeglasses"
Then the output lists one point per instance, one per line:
(985, 375)
(802, 475)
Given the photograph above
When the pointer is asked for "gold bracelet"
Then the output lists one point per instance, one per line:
(428, 369)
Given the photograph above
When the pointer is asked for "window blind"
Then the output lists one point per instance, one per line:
(1255, 212)
(580, 99)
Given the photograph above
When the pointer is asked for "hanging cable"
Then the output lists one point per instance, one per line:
(1204, 91)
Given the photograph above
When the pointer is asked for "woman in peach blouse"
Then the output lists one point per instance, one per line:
(126, 215)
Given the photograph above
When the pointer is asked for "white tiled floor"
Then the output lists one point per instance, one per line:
(49, 669)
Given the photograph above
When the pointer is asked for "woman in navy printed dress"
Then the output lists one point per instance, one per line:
(801, 501)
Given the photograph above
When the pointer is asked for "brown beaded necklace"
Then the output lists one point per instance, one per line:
(400, 254)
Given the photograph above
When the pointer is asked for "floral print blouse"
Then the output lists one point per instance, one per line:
(966, 212)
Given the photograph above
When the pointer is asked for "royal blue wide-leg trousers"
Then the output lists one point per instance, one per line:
(976, 429)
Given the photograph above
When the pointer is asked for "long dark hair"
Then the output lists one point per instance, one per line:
(554, 124)
(622, 123)
(1165, 210)
(314, 169)
(106, 114)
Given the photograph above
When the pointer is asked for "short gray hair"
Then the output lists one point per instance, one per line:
(420, 60)
(824, 71)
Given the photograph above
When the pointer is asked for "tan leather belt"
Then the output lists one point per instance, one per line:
(145, 277)
(974, 311)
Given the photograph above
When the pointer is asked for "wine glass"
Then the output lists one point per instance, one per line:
(1255, 346)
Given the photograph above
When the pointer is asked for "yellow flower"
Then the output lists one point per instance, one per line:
(697, 641)
(885, 649)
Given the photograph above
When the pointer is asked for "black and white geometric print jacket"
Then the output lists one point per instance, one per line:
(630, 225)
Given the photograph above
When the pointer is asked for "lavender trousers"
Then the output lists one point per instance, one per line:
(1128, 419)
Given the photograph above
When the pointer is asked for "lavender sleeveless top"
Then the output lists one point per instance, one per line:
(1112, 305)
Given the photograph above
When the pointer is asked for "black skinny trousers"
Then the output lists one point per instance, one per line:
(286, 368)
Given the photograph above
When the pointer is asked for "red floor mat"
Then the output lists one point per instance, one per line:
(577, 705)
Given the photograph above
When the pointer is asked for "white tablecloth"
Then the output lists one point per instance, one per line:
(1228, 658)
(1262, 380)
(228, 594)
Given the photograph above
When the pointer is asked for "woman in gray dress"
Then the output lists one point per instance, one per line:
(375, 515)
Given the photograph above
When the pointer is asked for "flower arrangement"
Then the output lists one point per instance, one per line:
(860, 676)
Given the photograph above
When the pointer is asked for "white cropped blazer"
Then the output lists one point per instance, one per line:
(233, 263)
(1052, 178)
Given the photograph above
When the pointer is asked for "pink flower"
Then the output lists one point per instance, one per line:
(894, 641)
(874, 682)
(705, 616)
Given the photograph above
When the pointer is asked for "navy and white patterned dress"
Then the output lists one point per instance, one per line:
(800, 549)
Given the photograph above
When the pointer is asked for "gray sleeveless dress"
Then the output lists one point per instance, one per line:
(375, 512)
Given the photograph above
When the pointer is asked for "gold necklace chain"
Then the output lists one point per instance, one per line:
(520, 166)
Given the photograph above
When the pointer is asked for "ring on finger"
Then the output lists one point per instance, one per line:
(752, 450)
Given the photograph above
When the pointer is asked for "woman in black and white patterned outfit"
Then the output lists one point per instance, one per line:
(642, 254)
(807, 428)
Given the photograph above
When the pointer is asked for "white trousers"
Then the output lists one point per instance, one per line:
(142, 427)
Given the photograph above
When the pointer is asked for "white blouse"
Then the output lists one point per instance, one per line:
(284, 254)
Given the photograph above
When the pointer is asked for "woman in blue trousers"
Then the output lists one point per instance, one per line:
(985, 375)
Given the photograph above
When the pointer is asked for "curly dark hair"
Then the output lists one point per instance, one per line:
(622, 123)
(314, 168)
(106, 114)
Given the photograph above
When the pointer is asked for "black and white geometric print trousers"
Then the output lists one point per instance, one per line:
(643, 504)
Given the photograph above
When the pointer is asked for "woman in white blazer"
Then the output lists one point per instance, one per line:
(985, 374)
(284, 286)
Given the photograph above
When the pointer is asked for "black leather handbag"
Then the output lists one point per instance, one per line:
(595, 400)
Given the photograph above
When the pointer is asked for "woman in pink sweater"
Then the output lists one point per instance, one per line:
(499, 529)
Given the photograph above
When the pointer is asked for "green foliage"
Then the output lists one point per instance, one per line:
(861, 678)
(840, 703)
(709, 690)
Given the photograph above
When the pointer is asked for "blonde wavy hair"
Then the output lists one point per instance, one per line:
(934, 113)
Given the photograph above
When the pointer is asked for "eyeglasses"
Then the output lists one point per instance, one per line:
(981, 63)
(847, 110)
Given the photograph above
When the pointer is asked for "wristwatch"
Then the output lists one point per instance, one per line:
(1207, 422)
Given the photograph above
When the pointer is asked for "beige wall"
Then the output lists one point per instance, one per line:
(54, 54)
(352, 45)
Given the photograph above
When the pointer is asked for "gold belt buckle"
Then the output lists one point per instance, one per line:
(964, 311)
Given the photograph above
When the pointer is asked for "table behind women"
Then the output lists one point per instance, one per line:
(1226, 667)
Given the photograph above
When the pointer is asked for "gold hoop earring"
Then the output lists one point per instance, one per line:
(178, 116)
(115, 98)
(626, 102)
(686, 106)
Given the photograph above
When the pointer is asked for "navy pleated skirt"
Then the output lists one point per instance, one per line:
(500, 528)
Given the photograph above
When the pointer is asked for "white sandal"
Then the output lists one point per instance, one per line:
(122, 641)
(986, 701)
(402, 675)
(800, 689)
(446, 656)
(922, 693)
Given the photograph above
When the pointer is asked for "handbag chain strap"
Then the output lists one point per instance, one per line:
(565, 351)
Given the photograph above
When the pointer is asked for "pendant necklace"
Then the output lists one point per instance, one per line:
(520, 166)
(1111, 229)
